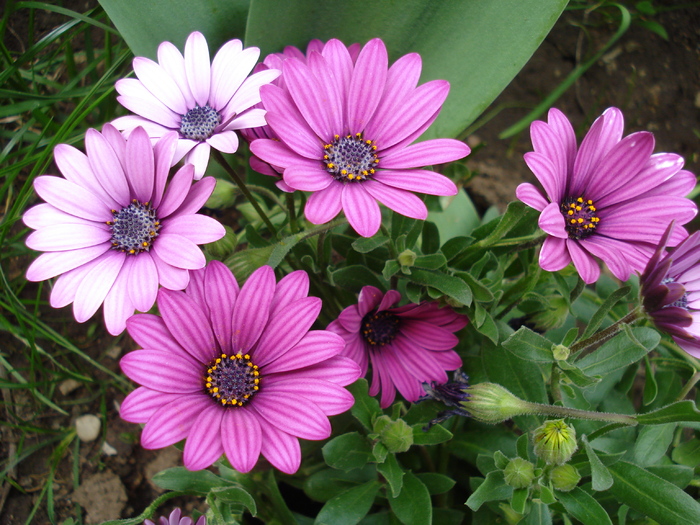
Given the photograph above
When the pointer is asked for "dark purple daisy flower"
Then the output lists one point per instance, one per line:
(236, 371)
(670, 287)
(609, 199)
(408, 346)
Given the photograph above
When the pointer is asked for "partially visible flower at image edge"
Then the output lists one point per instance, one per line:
(175, 519)
(114, 229)
(204, 101)
(236, 371)
(407, 345)
(609, 199)
(345, 129)
(670, 288)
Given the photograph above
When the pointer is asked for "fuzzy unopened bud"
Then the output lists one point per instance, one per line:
(223, 247)
(564, 477)
(560, 352)
(396, 436)
(407, 258)
(555, 442)
(519, 473)
(223, 196)
(491, 403)
(245, 262)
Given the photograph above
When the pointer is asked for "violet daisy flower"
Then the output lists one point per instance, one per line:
(345, 127)
(175, 519)
(205, 102)
(113, 229)
(236, 371)
(408, 345)
(610, 199)
(670, 288)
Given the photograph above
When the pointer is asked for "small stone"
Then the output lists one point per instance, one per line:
(88, 427)
(103, 497)
(68, 386)
(114, 351)
(108, 450)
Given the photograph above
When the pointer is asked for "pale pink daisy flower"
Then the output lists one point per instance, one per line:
(407, 345)
(176, 518)
(345, 128)
(609, 199)
(236, 371)
(204, 101)
(114, 229)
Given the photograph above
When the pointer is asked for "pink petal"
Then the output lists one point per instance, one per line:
(552, 182)
(170, 58)
(366, 85)
(169, 276)
(75, 167)
(400, 201)
(427, 153)
(44, 214)
(163, 153)
(332, 91)
(552, 221)
(142, 403)
(225, 141)
(94, 288)
(106, 167)
(350, 319)
(129, 123)
(160, 84)
(140, 165)
(361, 209)
(231, 65)
(243, 438)
(586, 266)
(163, 371)
(339, 370)
(247, 96)
(179, 251)
(118, 306)
(199, 156)
(65, 287)
(310, 97)
(554, 255)
(307, 178)
(428, 335)
(547, 143)
(198, 194)
(369, 299)
(136, 98)
(198, 67)
(565, 131)
(176, 192)
(332, 399)
(173, 422)
(531, 196)
(291, 288)
(421, 181)
(251, 311)
(62, 237)
(280, 449)
(253, 118)
(300, 418)
(203, 446)
(221, 293)
(71, 198)
(49, 265)
(315, 347)
(143, 282)
(199, 229)
(150, 331)
(277, 154)
(188, 324)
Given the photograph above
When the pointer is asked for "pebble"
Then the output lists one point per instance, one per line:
(88, 427)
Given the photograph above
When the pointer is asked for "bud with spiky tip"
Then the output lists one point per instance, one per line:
(396, 436)
(564, 477)
(407, 258)
(555, 442)
(519, 473)
(223, 247)
(491, 403)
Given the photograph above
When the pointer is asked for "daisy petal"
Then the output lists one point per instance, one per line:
(243, 438)
(198, 67)
(203, 446)
(361, 209)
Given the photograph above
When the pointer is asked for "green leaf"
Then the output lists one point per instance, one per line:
(652, 443)
(651, 388)
(494, 488)
(430, 262)
(519, 500)
(604, 310)
(349, 507)
(582, 506)
(181, 479)
(687, 453)
(480, 291)
(393, 473)
(539, 515)
(347, 451)
(391, 267)
(367, 244)
(622, 350)
(679, 411)
(458, 218)
(600, 475)
(477, 46)
(436, 435)
(484, 323)
(354, 277)
(436, 483)
(447, 284)
(430, 239)
(652, 495)
(155, 21)
(329, 482)
(366, 409)
(679, 475)
(236, 495)
(412, 506)
(530, 346)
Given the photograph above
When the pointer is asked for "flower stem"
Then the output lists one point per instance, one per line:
(609, 332)
(557, 411)
(291, 209)
(521, 243)
(244, 189)
(689, 386)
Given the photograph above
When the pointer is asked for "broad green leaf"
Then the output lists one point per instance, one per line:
(181, 479)
(393, 473)
(449, 285)
(236, 495)
(354, 277)
(437, 434)
(687, 453)
(477, 46)
(430, 238)
(436, 483)
(349, 507)
(329, 482)
(679, 475)
(412, 506)
(603, 311)
(652, 443)
(600, 475)
(651, 387)
(367, 244)
(430, 262)
(530, 346)
(622, 350)
(582, 506)
(347, 451)
(493, 488)
(519, 500)
(480, 291)
(680, 411)
(366, 408)
(539, 515)
(144, 25)
(652, 495)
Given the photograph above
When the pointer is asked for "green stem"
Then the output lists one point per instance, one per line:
(609, 332)
(689, 386)
(557, 411)
(244, 189)
(291, 209)
(522, 243)
(261, 190)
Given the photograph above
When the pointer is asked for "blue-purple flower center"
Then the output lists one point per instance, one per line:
(134, 228)
(380, 328)
(199, 123)
(580, 216)
(350, 158)
(231, 380)
(680, 303)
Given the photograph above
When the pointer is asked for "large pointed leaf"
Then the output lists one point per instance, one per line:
(478, 46)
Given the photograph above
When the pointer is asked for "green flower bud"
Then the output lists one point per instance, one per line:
(555, 442)
(245, 262)
(223, 247)
(519, 473)
(491, 403)
(407, 258)
(564, 477)
(396, 436)
(223, 196)
(560, 352)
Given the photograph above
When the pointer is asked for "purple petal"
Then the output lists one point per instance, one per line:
(554, 255)
(176, 192)
(198, 194)
(547, 143)
(613, 258)
(324, 205)
(150, 331)
(195, 290)
(243, 438)
(338, 59)
(246, 97)
(552, 181)
(188, 324)
(106, 167)
(280, 449)
(118, 306)
(332, 399)
(71, 198)
(143, 282)
(198, 67)
(142, 403)
(315, 347)
(310, 97)
(199, 157)
(230, 67)
(307, 178)
(586, 266)
(356, 349)
(65, 287)
(62, 237)
(129, 123)
(277, 154)
(332, 102)
(199, 229)
(298, 417)
(50, 265)
(682, 183)
(159, 83)
(369, 299)
(173, 422)
(179, 251)
(169, 276)
(361, 209)
(203, 446)
(350, 319)
(531, 196)
(367, 84)
(170, 58)
(427, 153)
(163, 153)
(43, 215)
(253, 118)
(163, 371)
(400, 201)
(221, 293)
(291, 288)
(565, 132)
(409, 386)
(136, 98)
(421, 181)
(250, 314)
(552, 221)
(94, 288)
(225, 141)
(339, 370)
(418, 362)
(140, 165)
(75, 167)
(428, 335)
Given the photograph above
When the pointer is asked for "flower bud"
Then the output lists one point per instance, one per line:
(223, 247)
(564, 477)
(407, 258)
(491, 403)
(519, 473)
(396, 436)
(555, 442)
(223, 196)
(560, 352)
(245, 262)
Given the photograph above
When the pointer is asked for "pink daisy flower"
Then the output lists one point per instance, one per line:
(236, 371)
(345, 128)
(113, 229)
(204, 101)
(609, 199)
(175, 519)
(408, 345)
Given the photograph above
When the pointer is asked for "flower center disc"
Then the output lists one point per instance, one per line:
(134, 228)
(680, 303)
(350, 158)
(199, 123)
(380, 328)
(580, 216)
(232, 380)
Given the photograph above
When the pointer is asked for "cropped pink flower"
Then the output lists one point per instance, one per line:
(114, 229)
(236, 371)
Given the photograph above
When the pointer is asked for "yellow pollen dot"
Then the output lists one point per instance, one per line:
(578, 208)
(330, 165)
(592, 208)
(589, 201)
(365, 173)
(327, 146)
(109, 223)
(132, 252)
(376, 161)
(573, 221)
(325, 157)
(239, 356)
(579, 199)
(357, 135)
(255, 367)
(336, 137)
(572, 205)
(144, 244)
(570, 212)
(209, 379)
(374, 148)
(580, 220)
(224, 356)
(157, 223)
(367, 141)
(208, 385)
(371, 171)
(343, 172)
(257, 381)
(223, 401)
(232, 357)
(256, 387)
(351, 176)
(215, 389)
(246, 396)
(218, 360)
(213, 368)
(209, 371)
(247, 356)
(256, 373)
